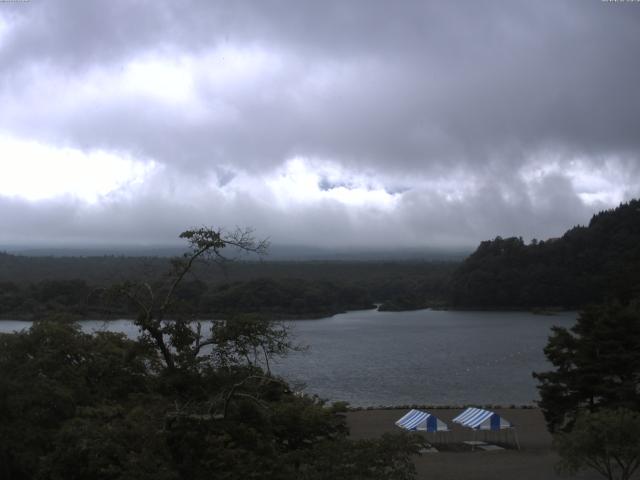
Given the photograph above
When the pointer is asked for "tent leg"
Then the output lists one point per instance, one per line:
(515, 435)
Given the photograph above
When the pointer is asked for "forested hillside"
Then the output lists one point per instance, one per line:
(32, 287)
(586, 265)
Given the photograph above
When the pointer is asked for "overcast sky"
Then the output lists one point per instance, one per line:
(327, 123)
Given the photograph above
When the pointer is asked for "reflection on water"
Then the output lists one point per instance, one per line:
(423, 357)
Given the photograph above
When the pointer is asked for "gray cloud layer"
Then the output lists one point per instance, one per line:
(480, 118)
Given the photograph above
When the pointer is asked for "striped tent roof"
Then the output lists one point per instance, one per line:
(419, 420)
(480, 419)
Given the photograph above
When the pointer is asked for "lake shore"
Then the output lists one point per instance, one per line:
(535, 460)
(75, 317)
(279, 316)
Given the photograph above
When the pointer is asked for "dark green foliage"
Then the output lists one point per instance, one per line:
(109, 442)
(586, 265)
(106, 270)
(607, 441)
(45, 298)
(596, 364)
(51, 372)
(79, 406)
(290, 297)
(178, 403)
(296, 290)
(11, 297)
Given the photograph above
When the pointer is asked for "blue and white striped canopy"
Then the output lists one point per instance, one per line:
(480, 419)
(419, 420)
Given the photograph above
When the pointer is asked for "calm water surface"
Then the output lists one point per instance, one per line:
(424, 357)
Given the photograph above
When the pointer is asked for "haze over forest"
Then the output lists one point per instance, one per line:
(348, 125)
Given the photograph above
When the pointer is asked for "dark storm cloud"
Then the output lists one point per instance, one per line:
(413, 84)
(414, 94)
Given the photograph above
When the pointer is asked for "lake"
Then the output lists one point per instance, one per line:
(427, 357)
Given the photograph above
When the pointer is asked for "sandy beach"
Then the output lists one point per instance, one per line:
(535, 460)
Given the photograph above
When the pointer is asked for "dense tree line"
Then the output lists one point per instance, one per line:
(586, 265)
(406, 286)
(607, 441)
(79, 406)
(596, 364)
(176, 403)
(591, 396)
(286, 297)
(268, 297)
(109, 269)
